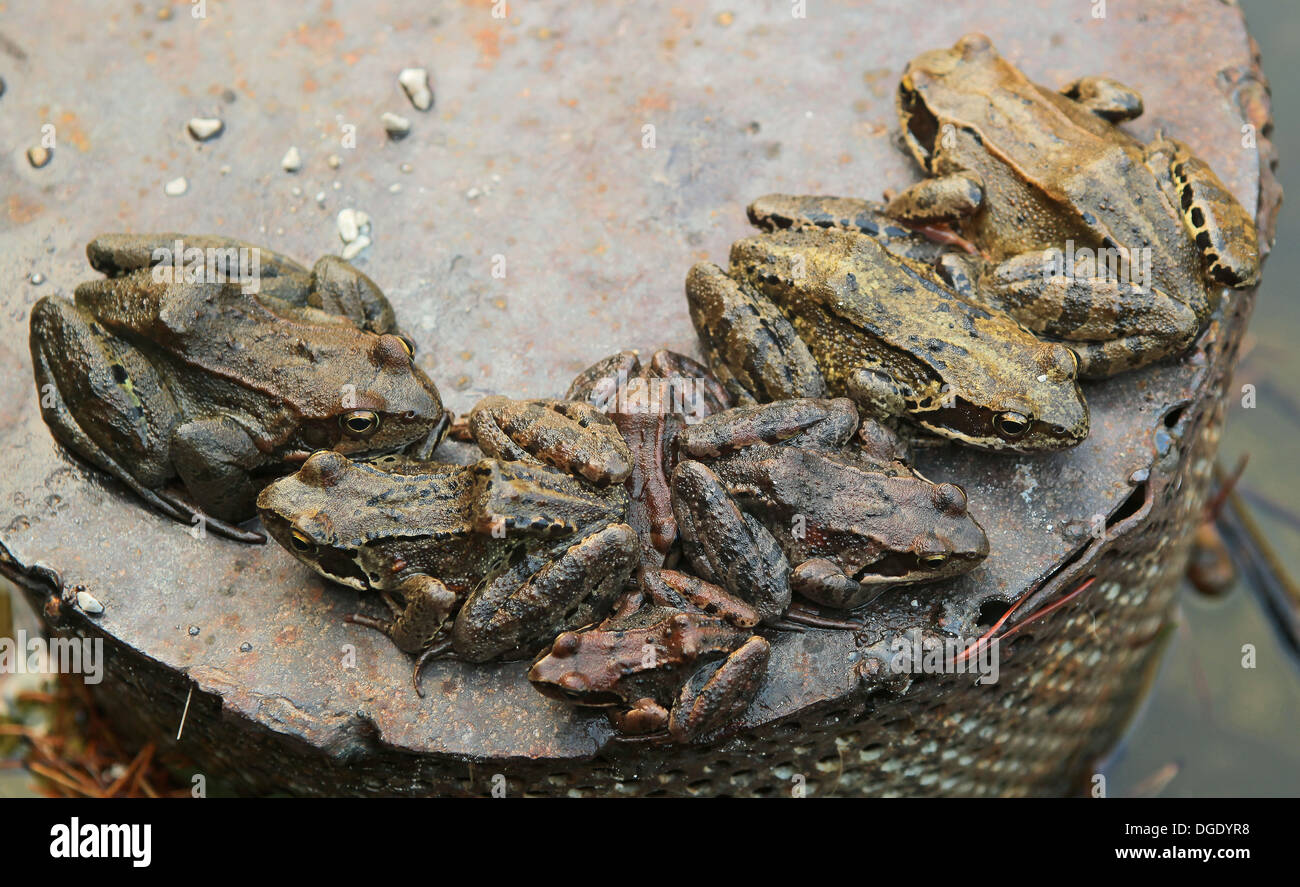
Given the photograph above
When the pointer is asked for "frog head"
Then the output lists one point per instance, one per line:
(386, 404)
(333, 513)
(947, 87)
(1022, 396)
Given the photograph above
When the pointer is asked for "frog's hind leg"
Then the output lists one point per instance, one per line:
(570, 435)
(117, 254)
(749, 344)
(776, 212)
(1113, 323)
(1224, 233)
(338, 288)
(519, 610)
(119, 395)
(814, 422)
(727, 546)
(717, 695)
(1108, 99)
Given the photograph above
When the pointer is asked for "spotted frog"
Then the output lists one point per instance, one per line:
(763, 487)
(152, 380)
(1022, 170)
(839, 301)
(489, 560)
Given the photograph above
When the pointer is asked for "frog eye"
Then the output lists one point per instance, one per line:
(408, 345)
(933, 560)
(359, 424)
(300, 540)
(1012, 424)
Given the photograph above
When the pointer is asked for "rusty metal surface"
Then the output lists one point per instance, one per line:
(534, 151)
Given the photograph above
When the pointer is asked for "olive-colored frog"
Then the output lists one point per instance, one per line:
(766, 486)
(686, 660)
(811, 310)
(153, 380)
(1022, 170)
(489, 560)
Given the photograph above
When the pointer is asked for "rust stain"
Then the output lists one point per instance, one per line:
(488, 41)
(654, 100)
(323, 36)
(21, 211)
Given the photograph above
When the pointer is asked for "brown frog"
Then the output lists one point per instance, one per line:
(489, 560)
(814, 308)
(153, 380)
(685, 660)
(1026, 172)
(765, 486)
(650, 405)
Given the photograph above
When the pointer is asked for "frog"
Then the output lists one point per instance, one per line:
(489, 560)
(682, 660)
(156, 381)
(650, 404)
(1025, 172)
(762, 487)
(812, 310)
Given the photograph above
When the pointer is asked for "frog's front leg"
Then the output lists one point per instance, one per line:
(816, 422)
(1111, 323)
(518, 611)
(749, 343)
(719, 693)
(727, 546)
(940, 199)
(572, 436)
(1108, 99)
(413, 627)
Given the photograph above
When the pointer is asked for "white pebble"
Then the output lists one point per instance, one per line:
(397, 126)
(86, 601)
(353, 249)
(292, 161)
(415, 83)
(204, 128)
(347, 224)
(335, 161)
(176, 187)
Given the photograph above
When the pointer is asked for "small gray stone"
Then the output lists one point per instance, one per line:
(204, 128)
(335, 161)
(176, 187)
(292, 161)
(36, 278)
(415, 83)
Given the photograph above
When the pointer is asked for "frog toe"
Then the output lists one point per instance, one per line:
(1108, 99)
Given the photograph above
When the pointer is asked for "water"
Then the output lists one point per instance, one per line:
(1231, 730)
